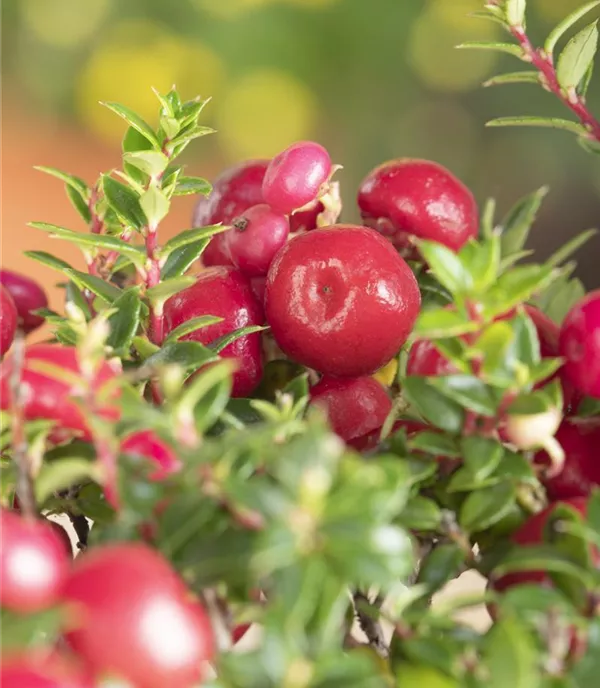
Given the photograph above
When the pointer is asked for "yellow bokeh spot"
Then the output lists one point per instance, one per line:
(432, 50)
(230, 9)
(556, 10)
(264, 112)
(311, 4)
(135, 58)
(64, 23)
(387, 374)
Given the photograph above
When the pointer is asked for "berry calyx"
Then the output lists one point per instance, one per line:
(28, 296)
(354, 406)
(33, 563)
(132, 618)
(256, 236)
(47, 395)
(8, 320)
(224, 292)
(580, 344)
(147, 445)
(307, 219)
(341, 300)
(418, 198)
(295, 176)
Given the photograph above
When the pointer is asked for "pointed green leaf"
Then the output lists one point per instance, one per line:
(446, 266)
(134, 141)
(152, 162)
(527, 77)
(540, 558)
(509, 261)
(189, 355)
(59, 475)
(124, 201)
(489, 15)
(439, 323)
(566, 24)
(515, 12)
(69, 179)
(125, 322)
(468, 391)
(507, 48)
(49, 260)
(434, 443)
(487, 218)
(181, 259)
(155, 205)
(190, 236)
(484, 507)
(219, 344)
(578, 54)
(79, 203)
(434, 406)
(135, 121)
(192, 325)
(511, 656)
(518, 286)
(421, 513)
(481, 455)
(192, 185)
(571, 247)
(105, 290)
(441, 565)
(482, 260)
(517, 224)
(527, 121)
(167, 288)
(584, 84)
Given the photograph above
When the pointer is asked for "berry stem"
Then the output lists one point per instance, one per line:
(544, 63)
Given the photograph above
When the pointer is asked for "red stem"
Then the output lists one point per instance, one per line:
(545, 65)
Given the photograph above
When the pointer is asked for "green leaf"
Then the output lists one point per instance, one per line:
(483, 508)
(434, 443)
(517, 224)
(31, 631)
(125, 322)
(482, 260)
(124, 201)
(510, 656)
(509, 261)
(69, 179)
(190, 236)
(192, 185)
(468, 391)
(532, 121)
(164, 290)
(49, 260)
(578, 54)
(189, 355)
(100, 287)
(444, 563)
(585, 672)
(571, 247)
(421, 513)
(135, 121)
(446, 266)
(524, 77)
(517, 286)
(566, 24)
(155, 205)
(438, 323)
(186, 135)
(593, 511)
(79, 203)
(544, 558)
(481, 455)
(507, 48)
(192, 325)
(133, 141)
(487, 218)
(493, 346)
(208, 394)
(559, 297)
(433, 405)
(181, 259)
(222, 342)
(151, 162)
(584, 84)
(59, 475)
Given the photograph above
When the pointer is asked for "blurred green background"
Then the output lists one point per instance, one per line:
(370, 79)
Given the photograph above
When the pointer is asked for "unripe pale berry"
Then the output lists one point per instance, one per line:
(532, 431)
(28, 296)
(295, 176)
(8, 320)
(257, 234)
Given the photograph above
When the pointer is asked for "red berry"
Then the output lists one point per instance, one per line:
(63, 535)
(341, 300)
(47, 396)
(295, 176)
(425, 360)
(257, 234)
(581, 470)
(580, 344)
(27, 295)
(33, 563)
(259, 285)
(42, 670)
(8, 320)
(354, 406)
(234, 191)
(147, 445)
(420, 198)
(133, 619)
(223, 292)
(305, 220)
(239, 632)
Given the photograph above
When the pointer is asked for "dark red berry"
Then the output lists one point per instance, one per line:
(133, 618)
(234, 191)
(305, 220)
(580, 344)
(28, 296)
(147, 445)
(42, 669)
(354, 406)
(341, 300)
(239, 632)
(33, 563)
(8, 320)
(227, 293)
(49, 396)
(257, 234)
(419, 198)
(581, 470)
(296, 176)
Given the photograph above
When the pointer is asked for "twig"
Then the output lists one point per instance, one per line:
(218, 618)
(366, 611)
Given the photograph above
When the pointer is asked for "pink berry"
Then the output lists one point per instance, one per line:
(27, 295)
(146, 444)
(420, 198)
(43, 668)
(354, 406)
(579, 343)
(257, 234)
(33, 563)
(8, 320)
(295, 176)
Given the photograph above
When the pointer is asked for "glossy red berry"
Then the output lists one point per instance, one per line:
(53, 398)
(305, 220)
(133, 618)
(581, 470)
(42, 670)
(147, 445)
(295, 176)
(580, 344)
(234, 191)
(354, 406)
(27, 295)
(226, 293)
(341, 300)
(259, 284)
(8, 320)
(426, 360)
(257, 234)
(419, 198)
(33, 563)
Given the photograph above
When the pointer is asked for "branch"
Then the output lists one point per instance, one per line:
(367, 614)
